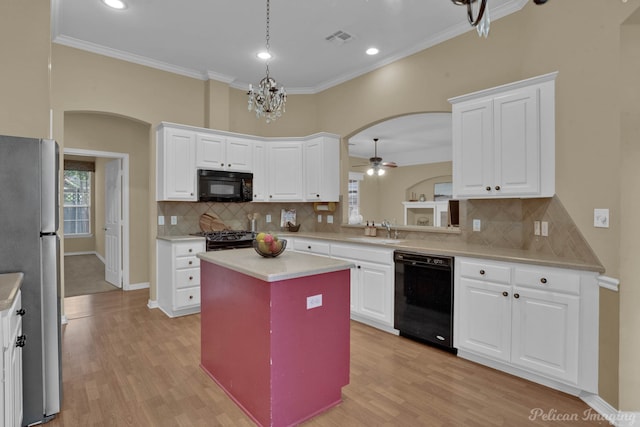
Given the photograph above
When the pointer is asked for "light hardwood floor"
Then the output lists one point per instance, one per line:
(127, 365)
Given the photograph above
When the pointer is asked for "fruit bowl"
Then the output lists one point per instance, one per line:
(265, 249)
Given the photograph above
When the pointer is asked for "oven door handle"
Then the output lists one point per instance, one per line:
(423, 264)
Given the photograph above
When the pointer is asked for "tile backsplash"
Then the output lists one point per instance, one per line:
(505, 223)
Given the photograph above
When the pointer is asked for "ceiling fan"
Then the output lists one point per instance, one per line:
(376, 165)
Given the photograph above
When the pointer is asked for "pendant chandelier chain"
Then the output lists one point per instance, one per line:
(268, 37)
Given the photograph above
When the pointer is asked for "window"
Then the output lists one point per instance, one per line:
(353, 196)
(77, 202)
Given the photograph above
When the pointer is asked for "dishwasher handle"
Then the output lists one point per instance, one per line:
(425, 261)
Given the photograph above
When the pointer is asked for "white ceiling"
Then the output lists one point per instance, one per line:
(219, 39)
(407, 140)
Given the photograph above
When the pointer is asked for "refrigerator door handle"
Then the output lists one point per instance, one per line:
(51, 324)
(49, 184)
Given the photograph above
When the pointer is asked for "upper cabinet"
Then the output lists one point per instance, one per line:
(504, 140)
(176, 164)
(322, 169)
(219, 152)
(284, 169)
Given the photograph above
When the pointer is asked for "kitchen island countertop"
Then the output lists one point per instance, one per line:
(9, 286)
(289, 265)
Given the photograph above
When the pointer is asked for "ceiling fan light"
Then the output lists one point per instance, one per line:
(380, 172)
(370, 171)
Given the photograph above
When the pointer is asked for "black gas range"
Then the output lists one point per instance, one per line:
(227, 239)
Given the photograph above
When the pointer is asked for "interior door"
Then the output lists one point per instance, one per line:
(113, 223)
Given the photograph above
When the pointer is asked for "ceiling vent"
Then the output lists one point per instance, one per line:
(339, 37)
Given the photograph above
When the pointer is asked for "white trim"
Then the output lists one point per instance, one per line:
(64, 320)
(136, 286)
(609, 413)
(152, 303)
(78, 236)
(80, 253)
(356, 176)
(610, 283)
(125, 201)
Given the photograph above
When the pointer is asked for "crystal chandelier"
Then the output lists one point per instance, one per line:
(267, 99)
(481, 20)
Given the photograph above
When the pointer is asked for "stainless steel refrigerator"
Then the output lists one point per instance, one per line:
(29, 243)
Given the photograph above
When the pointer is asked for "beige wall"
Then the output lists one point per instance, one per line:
(579, 38)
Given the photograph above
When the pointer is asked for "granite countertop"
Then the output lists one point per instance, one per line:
(289, 265)
(179, 238)
(457, 249)
(9, 286)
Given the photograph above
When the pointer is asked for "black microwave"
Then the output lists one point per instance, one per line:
(223, 186)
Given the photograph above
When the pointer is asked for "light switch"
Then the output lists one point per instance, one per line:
(267, 218)
(329, 219)
(536, 228)
(174, 220)
(160, 219)
(476, 225)
(544, 228)
(314, 301)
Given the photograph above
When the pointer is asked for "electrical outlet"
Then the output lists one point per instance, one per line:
(329, 219)
(536, 228)
(174, 220)
(314, 301)
(601, 218)
(544, 228)
(160, 220)
(476, 225)
(267, 218)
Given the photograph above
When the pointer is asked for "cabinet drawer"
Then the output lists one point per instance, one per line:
(486, 271)
(187, 278)
(188, 248)
(187, 262)
(311, 246)
(362, 253)
(187, 297)
(546, 279)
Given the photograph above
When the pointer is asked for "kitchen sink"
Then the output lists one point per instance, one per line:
(378, 240)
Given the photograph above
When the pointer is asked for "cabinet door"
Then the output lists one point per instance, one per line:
(516, 132)
(375, 288)
(472, 135)
(16, 379)
(484, 316)
(260, 188)
(546, 333)
(284, 171)
(313, 166)
(239, 155)
(176, 168)
(210, 151)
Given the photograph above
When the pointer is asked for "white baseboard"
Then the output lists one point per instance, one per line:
(81, 253)
(606, 412)
(136, 286)
(152, 303)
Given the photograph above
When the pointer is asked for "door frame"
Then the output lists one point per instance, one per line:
(124, 157)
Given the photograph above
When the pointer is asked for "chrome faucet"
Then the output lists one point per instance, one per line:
(386, 224)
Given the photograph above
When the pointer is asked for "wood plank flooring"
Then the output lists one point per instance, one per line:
(127, 365)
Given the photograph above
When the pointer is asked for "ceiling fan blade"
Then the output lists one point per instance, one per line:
(389, 164)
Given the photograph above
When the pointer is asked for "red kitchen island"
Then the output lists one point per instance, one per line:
(275, 331)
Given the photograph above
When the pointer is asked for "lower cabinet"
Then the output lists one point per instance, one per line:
(536, 322)
(178, 275)
(12, 343)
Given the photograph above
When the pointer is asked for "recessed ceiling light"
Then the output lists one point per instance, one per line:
(264, 55)
(116, 4)
(372, 51)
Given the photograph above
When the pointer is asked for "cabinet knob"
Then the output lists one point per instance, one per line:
(497, 188)
(543, 280)
(191, 194)
(358, 266)
(21, 341)
(190, 277)
(488, 188)
(190, 250)
(309, 247)
(516, 296)
(270, 196)
(229, 165)
(317, 195)
(190, 262)
(190, 296)
(482, 272)
(222, 165)
(505, 294)
(21, 312)
(255, 196)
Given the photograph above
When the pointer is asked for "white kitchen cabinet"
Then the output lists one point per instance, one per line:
(372, 283)
(284, 171)
(220, 152)
(536, 322)
(178, 275)
(176, 164)
(260, 186)
(322, 169)
(311, 246)
(12, 342)
(504, 141)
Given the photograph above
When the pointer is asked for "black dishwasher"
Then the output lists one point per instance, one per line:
(424, 298)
